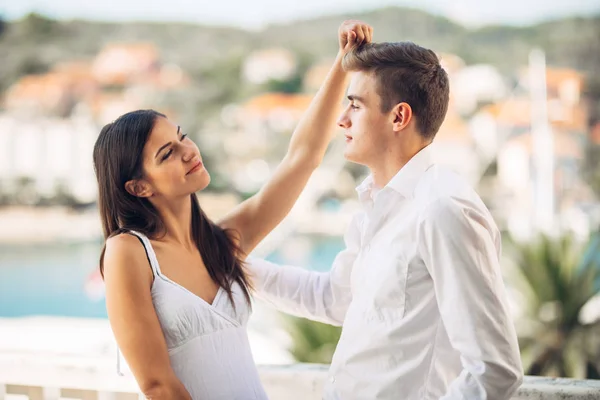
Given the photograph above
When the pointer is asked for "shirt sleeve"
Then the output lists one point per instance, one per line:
(460, 246)
(320, 296)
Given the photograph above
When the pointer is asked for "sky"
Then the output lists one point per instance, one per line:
(255, 14)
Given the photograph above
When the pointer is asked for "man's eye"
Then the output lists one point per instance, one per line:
(183, 136)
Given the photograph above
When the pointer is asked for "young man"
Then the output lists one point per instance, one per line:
(418, 288)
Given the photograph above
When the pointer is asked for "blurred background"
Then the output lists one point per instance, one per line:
(523, 127)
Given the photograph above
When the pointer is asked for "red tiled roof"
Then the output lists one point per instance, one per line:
(565, 145)
(268, 102)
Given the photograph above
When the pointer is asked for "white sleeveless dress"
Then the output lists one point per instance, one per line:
(208, 343)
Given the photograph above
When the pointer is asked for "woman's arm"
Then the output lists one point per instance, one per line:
(260, 214)
(128, 279)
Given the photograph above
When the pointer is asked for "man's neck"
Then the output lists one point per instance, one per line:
(383, 174)
(387, 167)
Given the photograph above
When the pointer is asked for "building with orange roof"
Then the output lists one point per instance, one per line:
(123, 63)
(595, 133)
(46, 94)
(452, 63)
(78, 70)
(565, 84)
(104, 107)
(508, 126)
(567, 150)
(565, 145)
(255, 135)
(454, 147)
(133, 68)
(79, 73)
(267, 64)
(515, 112)
(315, 75)
(454, 128)
(566, 106)
(266, 103)
(277, 112)
(517, 174)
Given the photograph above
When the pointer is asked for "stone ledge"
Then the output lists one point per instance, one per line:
(282, 382)
(305, 381)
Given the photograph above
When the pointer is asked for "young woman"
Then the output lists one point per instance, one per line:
(177, 294)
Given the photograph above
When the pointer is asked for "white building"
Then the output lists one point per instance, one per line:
(477, 84)
(53, 154)
(264, 65)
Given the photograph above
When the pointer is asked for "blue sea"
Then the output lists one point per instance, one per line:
(58, 279)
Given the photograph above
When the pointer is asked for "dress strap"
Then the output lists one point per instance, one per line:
(149, 253)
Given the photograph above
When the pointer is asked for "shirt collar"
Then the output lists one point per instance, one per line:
(405, 180)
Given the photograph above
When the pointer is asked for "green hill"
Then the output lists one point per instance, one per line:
(212, 55)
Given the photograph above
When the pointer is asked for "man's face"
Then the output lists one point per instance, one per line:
(366, 128)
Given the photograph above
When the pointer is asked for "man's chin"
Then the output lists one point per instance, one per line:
(350, 156)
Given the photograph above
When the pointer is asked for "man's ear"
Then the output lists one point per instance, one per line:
(401, 115)
(138, 188)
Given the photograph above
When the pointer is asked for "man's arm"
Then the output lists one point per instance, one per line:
(460, 248)
(320, 296)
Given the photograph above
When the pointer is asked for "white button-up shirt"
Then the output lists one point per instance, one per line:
(418, 291)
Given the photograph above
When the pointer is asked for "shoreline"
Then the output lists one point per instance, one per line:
(36, 225)
(24, 225)
(88, 342)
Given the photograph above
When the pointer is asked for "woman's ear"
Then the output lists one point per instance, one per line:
(138, 188)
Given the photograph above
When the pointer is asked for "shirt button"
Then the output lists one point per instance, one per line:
(368, 247)
(332, 379)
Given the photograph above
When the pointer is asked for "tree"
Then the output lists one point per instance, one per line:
(3, 24)
(591, 167)
(291, 85)
(313, 342)
(295, 83)
(557, 278)
(591, 164)
(36, 26)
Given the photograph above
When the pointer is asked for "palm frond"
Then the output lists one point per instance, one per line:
(558, 276)
(313, 342)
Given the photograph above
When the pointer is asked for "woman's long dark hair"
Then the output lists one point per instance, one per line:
(118, 159)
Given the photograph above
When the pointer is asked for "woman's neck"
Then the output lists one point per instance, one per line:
(177, 219)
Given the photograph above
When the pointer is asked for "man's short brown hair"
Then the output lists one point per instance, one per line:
(406, 72)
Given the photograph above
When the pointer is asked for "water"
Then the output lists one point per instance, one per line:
(54, 279)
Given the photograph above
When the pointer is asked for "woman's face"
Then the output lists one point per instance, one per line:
(172, 163)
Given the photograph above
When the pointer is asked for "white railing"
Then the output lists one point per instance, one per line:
(293, 382)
